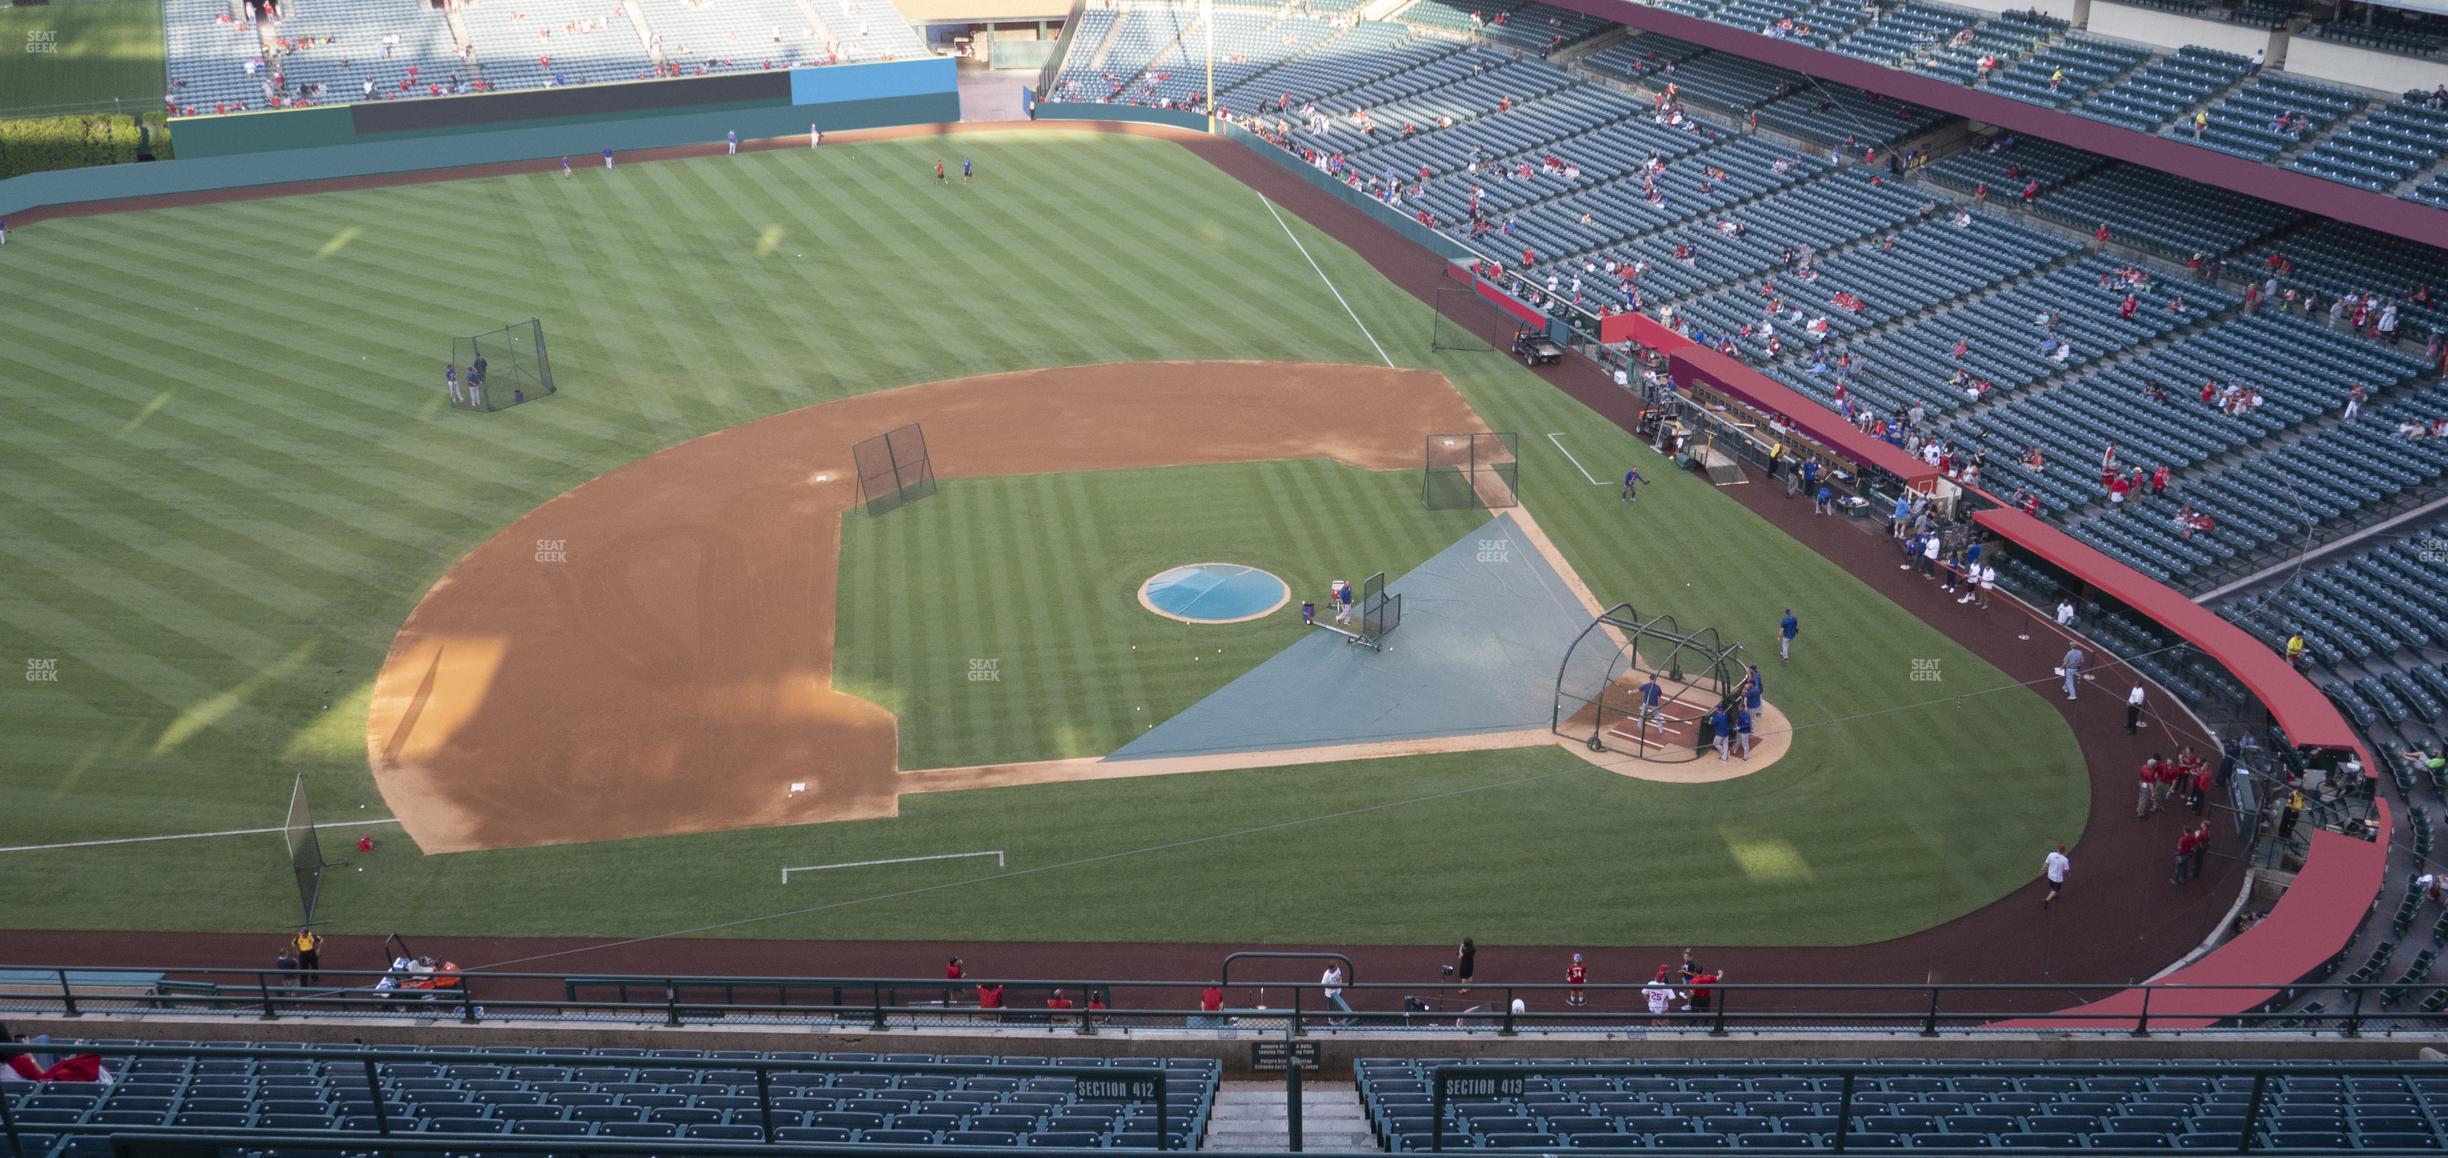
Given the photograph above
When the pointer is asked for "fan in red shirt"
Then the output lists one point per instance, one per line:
(1058, 1001)
(990, 995)
(1576, 975)
(1211, 999)
(2148, 801)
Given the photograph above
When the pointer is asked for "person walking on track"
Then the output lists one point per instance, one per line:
(1787, 629)
(2133, 710)
(2053, 870)
(1576, 975)
(2071, 668)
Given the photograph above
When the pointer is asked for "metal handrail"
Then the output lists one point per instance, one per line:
(879, 1002)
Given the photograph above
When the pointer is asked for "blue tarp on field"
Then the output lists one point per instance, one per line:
(1485, 624)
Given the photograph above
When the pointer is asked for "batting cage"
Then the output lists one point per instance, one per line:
(1463, 472)
(500, 369)
(1463, 321)
(893, 469)
(305, 851)
(1601, 686)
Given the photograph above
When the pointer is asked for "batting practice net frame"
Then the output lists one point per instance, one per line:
(1466, 472)
(893, 469)
(1379, 614)
(1448, 331)
(305, 848)
(516, 370)
(1597, 698)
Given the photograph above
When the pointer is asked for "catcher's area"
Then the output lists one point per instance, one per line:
(651, 652)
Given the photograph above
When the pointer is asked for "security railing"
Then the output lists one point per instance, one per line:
(1251, 1008)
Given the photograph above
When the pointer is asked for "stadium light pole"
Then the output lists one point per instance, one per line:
(1207, 17)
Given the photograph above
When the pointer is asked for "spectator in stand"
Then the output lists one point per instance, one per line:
(953, 974)
(1330, 985)
(1660, 997)
(1576, 975)
(990, 996)
(1703, 989)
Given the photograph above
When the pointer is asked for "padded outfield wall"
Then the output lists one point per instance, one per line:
(238, 150)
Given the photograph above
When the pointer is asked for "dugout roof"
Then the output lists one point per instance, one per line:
(2307, 716)
(1815, 422)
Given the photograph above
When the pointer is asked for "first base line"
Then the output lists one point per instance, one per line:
(814, 868)
(1558, 440)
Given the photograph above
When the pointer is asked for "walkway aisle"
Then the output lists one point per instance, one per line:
(1250, 1116)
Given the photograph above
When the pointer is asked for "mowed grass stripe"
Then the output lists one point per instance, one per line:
(1048, 260)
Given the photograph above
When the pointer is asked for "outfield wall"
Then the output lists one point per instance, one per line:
(312, 144)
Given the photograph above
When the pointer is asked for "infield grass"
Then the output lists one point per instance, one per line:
(222, 498)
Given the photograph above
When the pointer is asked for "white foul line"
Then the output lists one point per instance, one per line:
(1330, 285)
(184, 836)
(1559, 445)
(994, 852)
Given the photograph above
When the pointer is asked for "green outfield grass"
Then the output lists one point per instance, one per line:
(1003, 570)
(83, 56)
(223, 495)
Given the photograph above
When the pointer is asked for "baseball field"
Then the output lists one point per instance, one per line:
(235, 492)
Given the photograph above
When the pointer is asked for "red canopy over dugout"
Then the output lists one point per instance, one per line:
(2307, 716)
(1818, 423)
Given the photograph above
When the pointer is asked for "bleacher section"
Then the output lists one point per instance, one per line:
(2067, 71)
(703, 36)
(1366, 53)
(1785, 1104)
(624, 1094)
(2334, 259)
(532, 43)
(403, 46)
(868, 30)
(2078, 304)
(325, 51)
(2384, 148)
(2165, 88)
(2274, 497)
(2011, 165)
(1134, 69)
(2176, 217)
(2299, 369)
(1873, 285)
(2268, 116)
(208, 51)
(1904, 33)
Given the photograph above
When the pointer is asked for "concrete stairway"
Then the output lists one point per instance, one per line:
(1250, 1116)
